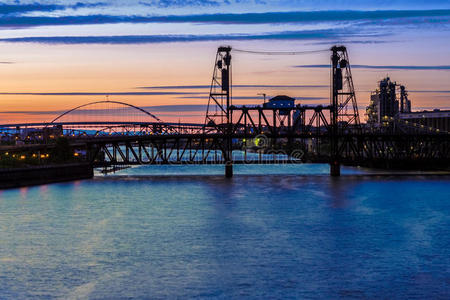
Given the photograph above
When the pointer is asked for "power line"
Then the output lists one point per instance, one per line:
(280, 52)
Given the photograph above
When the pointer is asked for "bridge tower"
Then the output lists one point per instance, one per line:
(343, 91)
(344, 111)
(218, 114)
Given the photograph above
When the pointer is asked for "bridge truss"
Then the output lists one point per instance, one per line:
(236, 134)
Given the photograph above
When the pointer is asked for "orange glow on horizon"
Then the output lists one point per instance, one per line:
(125, 68)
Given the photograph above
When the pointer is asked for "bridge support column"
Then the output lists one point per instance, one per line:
(335, 168)
(229, 169)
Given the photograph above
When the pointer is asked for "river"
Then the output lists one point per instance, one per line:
(187, 232)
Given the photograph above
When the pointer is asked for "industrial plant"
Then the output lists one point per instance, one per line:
(389, 104)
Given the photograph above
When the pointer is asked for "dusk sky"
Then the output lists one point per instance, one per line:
(159, 54)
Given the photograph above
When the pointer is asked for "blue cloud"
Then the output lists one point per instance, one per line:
(102, 94)
(254, 98)
(245, 18)
(430, 91)
(146, 39)
(245, 5)
(181, 3)
(176, 87)
(176, 108)
(18, 9)
(304, 17)
(418, 68)
(24, 8)
(155, 108)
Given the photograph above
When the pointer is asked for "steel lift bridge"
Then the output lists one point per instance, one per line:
(234, 134)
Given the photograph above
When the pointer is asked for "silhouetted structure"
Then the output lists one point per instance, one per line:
(438, 120)
(387, 101)
(322, 133)
(390, 107)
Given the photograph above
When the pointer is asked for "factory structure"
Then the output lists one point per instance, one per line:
(390, 102)
(387, 101)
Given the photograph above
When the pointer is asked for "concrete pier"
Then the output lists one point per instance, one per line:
(229, 170)
(335, 169)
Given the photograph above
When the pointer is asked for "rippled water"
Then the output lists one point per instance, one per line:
(271, 236)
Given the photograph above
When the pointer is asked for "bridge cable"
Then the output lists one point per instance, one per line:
(280, 52)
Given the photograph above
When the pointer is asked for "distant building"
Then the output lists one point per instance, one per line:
(387, 101)
(38, 134)
(390, 102)
(436, 119)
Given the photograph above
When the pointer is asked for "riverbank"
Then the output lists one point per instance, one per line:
(35, 175)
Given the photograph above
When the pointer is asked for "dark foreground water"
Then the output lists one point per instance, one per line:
(266, 237)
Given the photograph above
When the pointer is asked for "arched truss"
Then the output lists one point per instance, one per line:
(127, 130)
(106, 102)
(105, 118)
(151, 129)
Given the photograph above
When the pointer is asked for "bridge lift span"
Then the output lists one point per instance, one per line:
(343, 108)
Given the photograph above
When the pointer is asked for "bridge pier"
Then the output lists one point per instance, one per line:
(335, 168)
(229, 169)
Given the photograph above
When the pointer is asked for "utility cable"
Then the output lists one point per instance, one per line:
(280, 52)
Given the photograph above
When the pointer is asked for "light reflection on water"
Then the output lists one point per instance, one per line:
(270, 236)
(247, 169)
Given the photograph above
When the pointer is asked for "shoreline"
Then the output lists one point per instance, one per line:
(38, 175)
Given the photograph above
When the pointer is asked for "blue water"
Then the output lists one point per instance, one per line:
(297, 235)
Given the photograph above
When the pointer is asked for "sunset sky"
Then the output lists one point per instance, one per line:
(159, 55)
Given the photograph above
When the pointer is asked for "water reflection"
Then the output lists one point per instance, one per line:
(271, 236)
